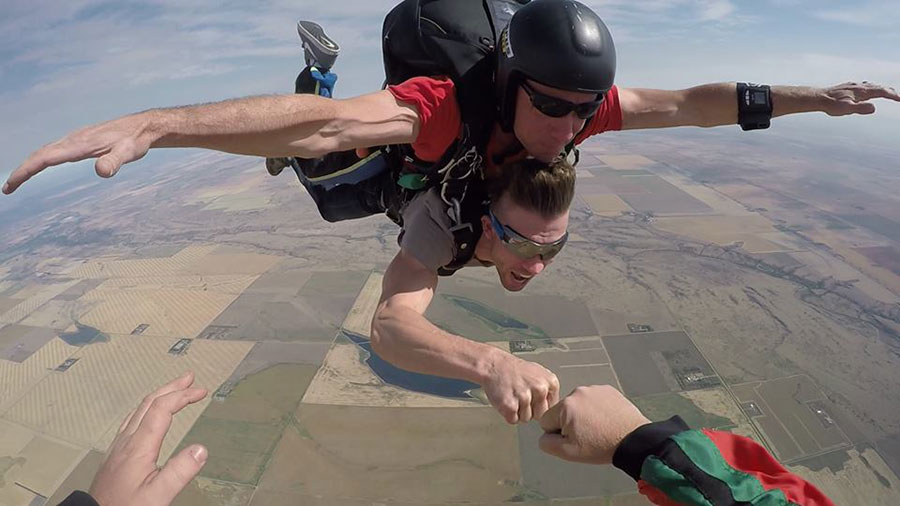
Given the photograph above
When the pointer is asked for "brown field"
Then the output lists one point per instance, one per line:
(258, 409)
(169, 312)
(175, 264)
(555, 479)
(57, 314)
(626, 162)
(212, 363)
(718, 401)
(13, 438)
(266, 317)
(236, 263)
(206, 492)
(280, 281)
(116, 374)
(27, 290)
(7, 303)
(778, 439)
(223, 283)
(876, 280)
(345, 379)
(20, 311)
(536, 315)
(639, 373)
(760, 198)
(864, 479)
(98, 375)
(417, 455)
(236, 203)
(79, 289)
(305, 306)
(824, 265)
(17, 379)
(663, 406)
(80, 478)
(359, 318)
(883, 256)
(284, 498)
(876, 223)
(18, 342)
(788, 420)
(661, 197)
(11, 493)
(716, 200)
(724, 230)
(45, 464)
(608, 204)
(269, 353)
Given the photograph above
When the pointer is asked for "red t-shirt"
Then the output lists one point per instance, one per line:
(439, 115)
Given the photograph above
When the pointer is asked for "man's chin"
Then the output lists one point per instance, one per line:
(511, 284)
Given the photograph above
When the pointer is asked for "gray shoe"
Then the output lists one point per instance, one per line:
(319, 50)
(274, 166)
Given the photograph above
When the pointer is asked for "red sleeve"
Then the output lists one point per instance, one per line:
(608, 117)
(676, 465)
(744, 454)
(439, 116)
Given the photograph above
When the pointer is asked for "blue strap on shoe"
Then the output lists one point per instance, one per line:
(325, 86)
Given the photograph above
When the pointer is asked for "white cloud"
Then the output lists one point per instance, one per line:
(716, 10)
(873, 14)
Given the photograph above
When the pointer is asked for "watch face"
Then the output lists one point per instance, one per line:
(759, 97)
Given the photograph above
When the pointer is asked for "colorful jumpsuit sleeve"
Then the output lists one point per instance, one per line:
(673, 465)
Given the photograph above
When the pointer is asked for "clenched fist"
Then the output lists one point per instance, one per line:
(588, 425)
(520, 390)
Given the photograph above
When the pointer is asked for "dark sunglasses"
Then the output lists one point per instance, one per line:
(524, 247)
(557, 107)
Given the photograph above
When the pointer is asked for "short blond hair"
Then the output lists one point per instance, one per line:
(546, 188)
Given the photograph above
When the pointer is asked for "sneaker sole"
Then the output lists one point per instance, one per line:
(320, 40)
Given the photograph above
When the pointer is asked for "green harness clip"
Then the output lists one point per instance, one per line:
(412, 181)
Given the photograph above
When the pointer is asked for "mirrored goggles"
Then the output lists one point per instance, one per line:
(557, 107)
(524, 247)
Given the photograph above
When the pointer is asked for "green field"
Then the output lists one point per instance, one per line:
(242, 431)
(663, 406)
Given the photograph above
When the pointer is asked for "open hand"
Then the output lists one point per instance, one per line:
(113, 143)
(129, 475)
(854, 98)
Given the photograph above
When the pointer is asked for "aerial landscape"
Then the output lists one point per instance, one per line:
(759, 295)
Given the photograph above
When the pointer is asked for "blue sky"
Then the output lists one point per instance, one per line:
(68, 64)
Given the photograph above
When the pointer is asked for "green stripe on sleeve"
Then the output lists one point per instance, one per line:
(670, 482)
(744, 487)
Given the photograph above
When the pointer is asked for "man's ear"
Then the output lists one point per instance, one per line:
(486, 228)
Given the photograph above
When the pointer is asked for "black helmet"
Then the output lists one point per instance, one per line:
(560, 43)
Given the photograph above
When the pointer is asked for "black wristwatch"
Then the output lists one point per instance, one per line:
(754, 106)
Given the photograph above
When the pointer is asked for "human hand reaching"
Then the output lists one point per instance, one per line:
(855, 98)
(113, 143)
(129, 475)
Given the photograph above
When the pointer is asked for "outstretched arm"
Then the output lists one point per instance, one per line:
(671, 463)
(712, 105)
(520, 390)
(280, 125)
